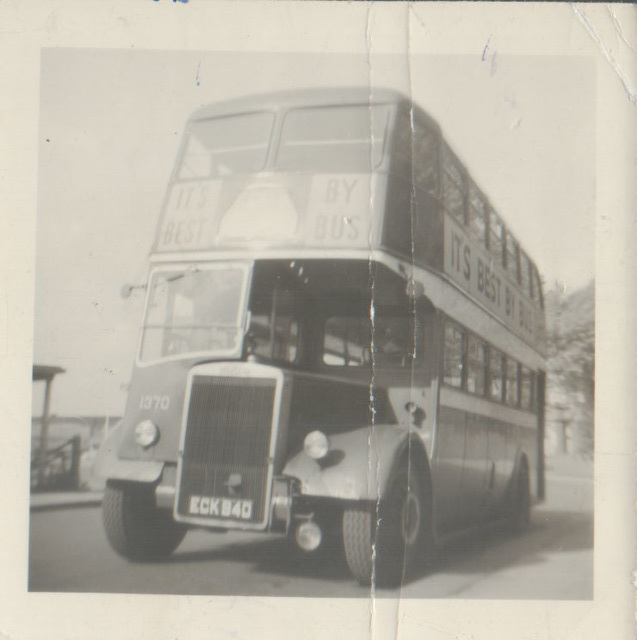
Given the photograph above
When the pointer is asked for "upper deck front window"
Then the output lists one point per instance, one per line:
(333, 139)
(194, 311)
(225, 146)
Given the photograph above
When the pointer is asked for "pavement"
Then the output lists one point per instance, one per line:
(550, 560)
(49, 500)
(569, 466)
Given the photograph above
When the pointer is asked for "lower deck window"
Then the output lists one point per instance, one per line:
(527, 388)
(496, 375)
(512, 383)
(476, 366)
(454, 356)
(473, 365)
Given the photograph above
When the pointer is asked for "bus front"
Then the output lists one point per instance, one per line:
(268, 330)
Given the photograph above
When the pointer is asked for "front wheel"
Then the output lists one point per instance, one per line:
(135, 527)
(380, 544)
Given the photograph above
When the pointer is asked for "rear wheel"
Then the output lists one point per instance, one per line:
(135, 527)
(380, 544)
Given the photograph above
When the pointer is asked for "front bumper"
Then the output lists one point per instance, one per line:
(286, 501)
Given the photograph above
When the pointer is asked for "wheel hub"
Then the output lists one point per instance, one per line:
(410, 521)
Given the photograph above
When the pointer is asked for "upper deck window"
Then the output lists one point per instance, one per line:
(425, 164)
(496, 237)
(525, 275)
(538, 288)
(333, 139)
(227, 145)
(477, 214)
(513, 255)
(452, 185)
(416, 153)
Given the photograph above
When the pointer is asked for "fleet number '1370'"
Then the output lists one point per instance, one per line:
(156, 402)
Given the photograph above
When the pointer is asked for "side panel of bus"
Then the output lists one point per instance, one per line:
(480, 443)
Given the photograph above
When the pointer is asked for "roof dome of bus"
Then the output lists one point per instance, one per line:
(300, 98)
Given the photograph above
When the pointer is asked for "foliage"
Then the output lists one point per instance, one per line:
(571, 372)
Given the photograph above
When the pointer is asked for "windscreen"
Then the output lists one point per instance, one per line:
(226, 146)
(194, 311)
(333, 139)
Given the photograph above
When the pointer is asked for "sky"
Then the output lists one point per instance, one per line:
(110, 126)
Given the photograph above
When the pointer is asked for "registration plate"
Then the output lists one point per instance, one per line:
(220, 507)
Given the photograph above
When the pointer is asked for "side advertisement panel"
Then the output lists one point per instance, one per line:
(307, 210)
(471, 267)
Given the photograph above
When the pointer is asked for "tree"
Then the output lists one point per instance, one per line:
(571, 372)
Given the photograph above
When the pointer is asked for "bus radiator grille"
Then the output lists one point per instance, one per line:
(226, 449)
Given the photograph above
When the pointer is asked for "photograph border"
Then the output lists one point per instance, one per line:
(340, 27)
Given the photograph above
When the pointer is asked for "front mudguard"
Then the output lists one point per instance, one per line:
(359, 465)
(108, 466)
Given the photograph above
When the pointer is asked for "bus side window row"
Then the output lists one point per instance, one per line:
(437, 171)
(472, 365)
(466, 204)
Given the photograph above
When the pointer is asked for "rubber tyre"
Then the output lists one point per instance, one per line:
(136, 529)
(381, 549)
(521, 500)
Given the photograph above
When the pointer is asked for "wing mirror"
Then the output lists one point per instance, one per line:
(128, 288)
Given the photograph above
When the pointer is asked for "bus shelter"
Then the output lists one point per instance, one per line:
(46, 374)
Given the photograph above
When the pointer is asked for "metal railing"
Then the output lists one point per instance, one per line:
(59, 469)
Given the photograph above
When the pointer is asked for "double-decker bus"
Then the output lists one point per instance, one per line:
(342, 340)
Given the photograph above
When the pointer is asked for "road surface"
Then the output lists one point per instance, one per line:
(553, 559)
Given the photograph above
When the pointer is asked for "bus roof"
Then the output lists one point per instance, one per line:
(326, 97)
(300, 98)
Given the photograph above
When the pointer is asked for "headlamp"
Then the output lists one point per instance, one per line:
(316, 445)
(146, 433)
